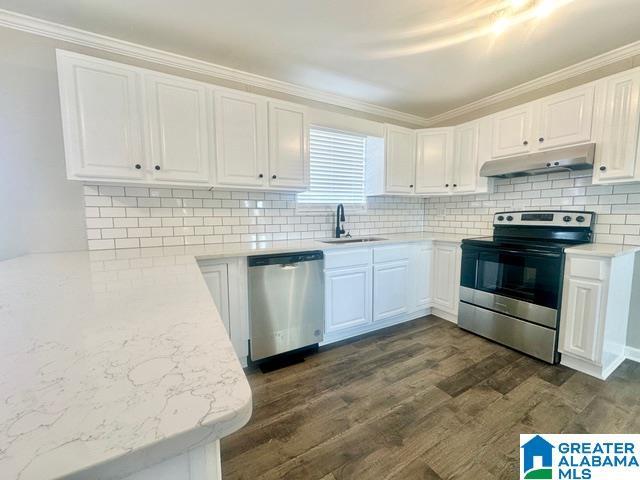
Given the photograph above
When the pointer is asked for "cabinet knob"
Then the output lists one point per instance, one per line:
(157, 167)
(138, 166)
(410, 186)
(556, 163)
(603, 168)
(260, 176)
(525, 143)
(541, 139)
(548, 164)
(446, 184)
(455, 185)
(274, 176)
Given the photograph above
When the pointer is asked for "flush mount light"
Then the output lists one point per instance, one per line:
(492, 18)
(500, 25)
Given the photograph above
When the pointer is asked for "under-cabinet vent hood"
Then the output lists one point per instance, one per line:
(579, 157)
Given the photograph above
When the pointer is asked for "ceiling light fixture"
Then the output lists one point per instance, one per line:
(501, 25)
(518, 3)
(494, 18)
(544, 8)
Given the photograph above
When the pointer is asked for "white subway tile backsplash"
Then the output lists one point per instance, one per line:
(617, 220)
(128, 217)
(152, 217)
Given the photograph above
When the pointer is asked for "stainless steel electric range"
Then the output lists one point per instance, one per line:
(511, 283)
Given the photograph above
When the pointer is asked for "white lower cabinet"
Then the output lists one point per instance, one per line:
(446, 277)
(596, 299)
(347, 298)
(227, 282)
(390, 290)
(371, 288)
(420, 270)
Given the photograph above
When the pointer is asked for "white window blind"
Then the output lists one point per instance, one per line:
(337, 168)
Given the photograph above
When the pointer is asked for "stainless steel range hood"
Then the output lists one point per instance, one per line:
(579, 157)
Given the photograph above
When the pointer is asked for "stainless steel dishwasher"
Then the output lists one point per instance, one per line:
(286, 302)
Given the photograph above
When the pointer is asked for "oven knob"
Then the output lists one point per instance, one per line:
(566, 218)
(500, 218)
(509, 218)
(580, 219)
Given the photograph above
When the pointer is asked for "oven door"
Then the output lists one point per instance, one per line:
(532, 276)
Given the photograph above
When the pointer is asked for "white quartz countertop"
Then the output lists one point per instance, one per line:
(107, 367)
(603, 249)
(229, 250)
(111, 361)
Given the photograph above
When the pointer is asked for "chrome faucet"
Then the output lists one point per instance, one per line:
(339, 218)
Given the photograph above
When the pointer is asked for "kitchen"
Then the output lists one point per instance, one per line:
(211, 269)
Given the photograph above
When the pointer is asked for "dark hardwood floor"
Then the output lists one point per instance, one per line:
(422, 400)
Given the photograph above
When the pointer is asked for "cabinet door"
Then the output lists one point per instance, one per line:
(465, 154)
(178, 131)
(288, 146)
(512, 131)
(101, 103)
(241, 139)
(390, 290)
(422, 266)
(400, 145)
(216, 278)
(445, 281)
(347, 298)
(434, 160)
(565, 118)
(581, 318)
(617, 137)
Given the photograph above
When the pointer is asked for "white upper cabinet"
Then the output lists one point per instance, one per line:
(512, 131)
(617, 128)
(178, 130)
(434, 159)
(101, 103)
(551, 122)
(465, 157)
(565, 118)
(288, 146)
(241, 139)
(400, 159)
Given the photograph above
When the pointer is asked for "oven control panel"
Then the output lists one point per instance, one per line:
(553, 218)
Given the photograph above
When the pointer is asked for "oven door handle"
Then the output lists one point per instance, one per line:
(522, 253)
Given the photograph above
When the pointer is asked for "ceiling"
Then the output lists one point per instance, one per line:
(422, 57)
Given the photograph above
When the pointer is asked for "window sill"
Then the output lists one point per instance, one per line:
(322, 209)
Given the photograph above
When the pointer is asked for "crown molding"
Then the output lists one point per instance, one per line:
(85, 38)
(599, 61)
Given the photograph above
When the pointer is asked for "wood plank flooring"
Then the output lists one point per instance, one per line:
(422, 400)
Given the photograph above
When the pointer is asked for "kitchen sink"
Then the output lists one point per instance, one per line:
(353, 240)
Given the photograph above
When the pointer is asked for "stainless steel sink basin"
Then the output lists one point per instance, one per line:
(352, 240)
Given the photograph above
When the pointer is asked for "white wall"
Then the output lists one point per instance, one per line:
(39, 209)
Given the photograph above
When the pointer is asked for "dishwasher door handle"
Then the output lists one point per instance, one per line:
(289, 266)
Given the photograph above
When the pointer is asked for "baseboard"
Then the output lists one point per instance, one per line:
(374, 326)
(632, 353)
(444, 315)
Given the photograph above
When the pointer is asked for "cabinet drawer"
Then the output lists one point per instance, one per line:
(347, 258)
(587, 267)
(391, 253)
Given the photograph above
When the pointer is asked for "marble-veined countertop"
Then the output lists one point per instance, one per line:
(111, 361)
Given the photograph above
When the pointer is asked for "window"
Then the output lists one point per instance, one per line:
(337, 168)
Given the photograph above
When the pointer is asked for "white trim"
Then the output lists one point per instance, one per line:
(65, 33)
(633, 353)
(599, 61)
